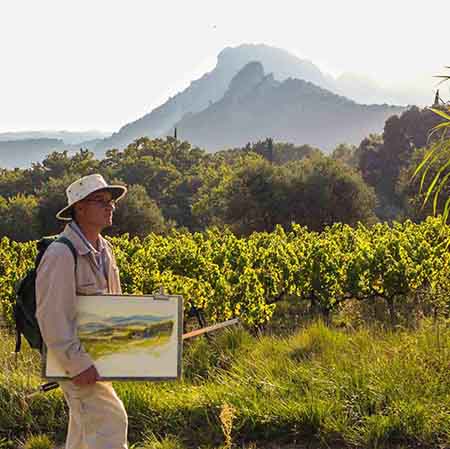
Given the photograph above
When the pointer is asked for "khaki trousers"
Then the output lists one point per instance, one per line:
(97, 418)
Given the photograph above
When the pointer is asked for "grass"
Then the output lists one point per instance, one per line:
(320, 387)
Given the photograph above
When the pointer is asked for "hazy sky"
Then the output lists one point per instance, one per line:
(99, 64)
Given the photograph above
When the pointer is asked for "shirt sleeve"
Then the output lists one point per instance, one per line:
(55, 309)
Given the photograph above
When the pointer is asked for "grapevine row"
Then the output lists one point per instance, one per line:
(227, 276)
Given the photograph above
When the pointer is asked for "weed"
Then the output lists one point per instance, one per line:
(226, 416)
(38, 442)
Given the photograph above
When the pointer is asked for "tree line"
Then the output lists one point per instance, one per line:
(254, 188)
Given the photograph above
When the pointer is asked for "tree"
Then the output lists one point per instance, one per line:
(369, 159)
(321, 191)
(18, 217)
(280, 152)
(52, 198)
(255, 195)
(57, 164)
(346, 154)
(165, 168)
(15, 181)
(137, 214)
(383, 159)
(209, 202)
(438, 158)
(411, 189)
(251, 198)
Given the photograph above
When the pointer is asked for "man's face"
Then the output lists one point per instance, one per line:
(96, 209)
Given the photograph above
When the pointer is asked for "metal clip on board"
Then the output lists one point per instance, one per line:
(160, 295)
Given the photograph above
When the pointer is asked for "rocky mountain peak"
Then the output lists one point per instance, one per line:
(246, 79)
(236, 74)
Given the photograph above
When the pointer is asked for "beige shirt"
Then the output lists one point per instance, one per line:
(57, 286)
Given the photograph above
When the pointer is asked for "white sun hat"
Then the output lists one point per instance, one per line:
(83, 187)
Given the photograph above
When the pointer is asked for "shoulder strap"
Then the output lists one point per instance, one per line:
(68, 243)
(31, 277)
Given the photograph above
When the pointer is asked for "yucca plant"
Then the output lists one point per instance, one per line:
(439, 149)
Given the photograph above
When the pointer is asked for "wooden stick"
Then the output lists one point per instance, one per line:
(212, 328)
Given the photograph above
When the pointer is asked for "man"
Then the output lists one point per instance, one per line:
(97, 418)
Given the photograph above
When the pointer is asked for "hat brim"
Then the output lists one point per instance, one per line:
(117, 192)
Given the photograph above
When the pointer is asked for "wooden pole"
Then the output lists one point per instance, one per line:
(212, 328)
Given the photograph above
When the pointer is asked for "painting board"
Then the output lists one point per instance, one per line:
(129, 337)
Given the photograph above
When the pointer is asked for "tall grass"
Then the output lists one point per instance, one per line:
(321, 386)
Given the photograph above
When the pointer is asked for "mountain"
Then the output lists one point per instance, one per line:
(21, 149)
(68, 137)
(257, 106)
(205, 92)
(211, 87)
(21, 153)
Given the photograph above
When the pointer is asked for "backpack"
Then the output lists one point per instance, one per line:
(25, 306)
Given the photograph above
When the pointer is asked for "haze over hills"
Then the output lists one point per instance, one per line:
(310, 100)
(22, 153)
(257, 106)
(68, 137)
(21, 149)
(212, 86)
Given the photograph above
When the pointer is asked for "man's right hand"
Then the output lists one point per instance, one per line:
(87, 377)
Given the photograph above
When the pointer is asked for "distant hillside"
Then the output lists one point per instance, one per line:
(68, 137)
(209, 90)
(21, 153)
(211, 87)
(257, 106)
(21, 149)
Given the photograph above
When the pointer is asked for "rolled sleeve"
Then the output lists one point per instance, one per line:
(55, 309)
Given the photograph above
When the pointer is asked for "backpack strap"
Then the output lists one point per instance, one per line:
(29, 281)
(68, 243)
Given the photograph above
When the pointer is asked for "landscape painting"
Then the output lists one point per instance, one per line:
(128, 337)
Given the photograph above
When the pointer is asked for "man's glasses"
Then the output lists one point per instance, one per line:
(102, 203)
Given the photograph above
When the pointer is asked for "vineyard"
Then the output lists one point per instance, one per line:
(354, 388)
(225, 276)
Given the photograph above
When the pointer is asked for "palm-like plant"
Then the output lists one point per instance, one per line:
(439, 149)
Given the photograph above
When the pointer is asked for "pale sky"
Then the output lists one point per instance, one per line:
(99, 64)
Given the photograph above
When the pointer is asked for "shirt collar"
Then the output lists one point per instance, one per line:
(88, 247)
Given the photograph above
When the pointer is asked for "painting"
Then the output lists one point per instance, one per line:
(128, 337)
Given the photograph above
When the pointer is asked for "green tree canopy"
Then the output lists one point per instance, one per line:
(321, 191)
(18, 217)
(137, 214)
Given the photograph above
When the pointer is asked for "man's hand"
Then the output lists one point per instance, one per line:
(87, 377)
